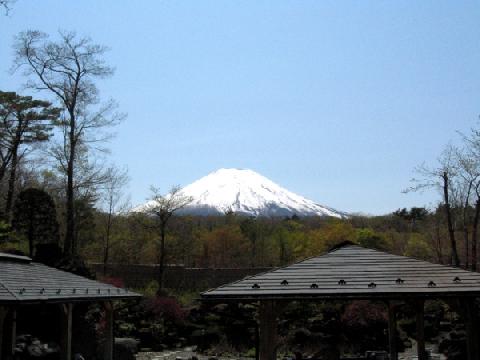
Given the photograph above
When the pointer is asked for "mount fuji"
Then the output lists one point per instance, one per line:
(246, 192)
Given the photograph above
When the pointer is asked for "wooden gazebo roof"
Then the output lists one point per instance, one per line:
(352, 271)
(24, 281)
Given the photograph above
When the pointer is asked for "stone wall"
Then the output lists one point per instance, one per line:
(177, 277)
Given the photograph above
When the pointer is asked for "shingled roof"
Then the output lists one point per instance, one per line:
(24, 281)
(352, 271)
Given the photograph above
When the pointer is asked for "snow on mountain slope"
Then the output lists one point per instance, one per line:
(247, 192)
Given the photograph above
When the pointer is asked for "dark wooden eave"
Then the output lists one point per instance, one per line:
(23, 282)
(353, 272)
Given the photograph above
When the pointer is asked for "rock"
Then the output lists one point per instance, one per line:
(445, 325)
(454, 346)
(220, 307)
(24, 338)
(35, 350)
(454, 335)
(52, 348)
(301, 335)
(125, 348)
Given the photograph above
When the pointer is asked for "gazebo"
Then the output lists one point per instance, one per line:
(24, 282)
(350, 271)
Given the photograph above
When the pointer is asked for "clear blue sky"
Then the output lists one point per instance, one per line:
(335, 100)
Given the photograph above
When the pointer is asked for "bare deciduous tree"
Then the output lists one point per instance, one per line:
(163, 207)
(469, 165)
(468, 181)
(441, 178)
(7, 5)
(67, 68)
(114, 203)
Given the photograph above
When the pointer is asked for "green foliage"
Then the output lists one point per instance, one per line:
(370, 239)
(150, 289)
(85, 220)
(24, 119)
(415, 213)
(4, 231)
(418, 247)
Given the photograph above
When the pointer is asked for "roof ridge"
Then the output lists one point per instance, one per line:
(10, 291)
(402, 257)
(341, 245)
(14, 257)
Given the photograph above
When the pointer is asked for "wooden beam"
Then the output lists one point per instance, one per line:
(471, 325)
(3, 314)
(109, 337)
(392, 331)
(66, 331)
(419, 309)
(268, 329)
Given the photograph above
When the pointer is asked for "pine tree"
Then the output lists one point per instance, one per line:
(23, 121)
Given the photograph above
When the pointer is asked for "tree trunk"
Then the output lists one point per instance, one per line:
(474, 234)
(4, 165)
(11, 185)
(438, 240)
(467, 245)
(451, 232)
(30, 237)
(13, 165)
(70, 235)
(161, 263)
(107, 242)
(465, 218)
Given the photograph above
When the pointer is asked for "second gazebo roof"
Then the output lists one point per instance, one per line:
(352, 271)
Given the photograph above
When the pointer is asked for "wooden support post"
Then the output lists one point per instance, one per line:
(13, 334)
(392, 331)
(268, 330)
(419, 309)
(3, 314)
(109, 338)
(257, 343)
(66, 331)
(471, 325)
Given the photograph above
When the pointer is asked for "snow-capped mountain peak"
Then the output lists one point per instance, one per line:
(246, 192)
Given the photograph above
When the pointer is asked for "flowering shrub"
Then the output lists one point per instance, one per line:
(362, 314)
(114, 281)
(164, 307)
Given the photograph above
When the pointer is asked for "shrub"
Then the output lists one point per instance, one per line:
(114, 281)
(363, 314)
(168, 308)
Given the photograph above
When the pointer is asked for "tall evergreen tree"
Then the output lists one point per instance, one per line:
(35, 217)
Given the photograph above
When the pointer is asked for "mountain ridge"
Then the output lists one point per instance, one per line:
(245, 192)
